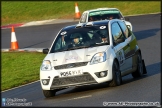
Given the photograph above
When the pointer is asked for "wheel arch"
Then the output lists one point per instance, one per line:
(138, 50)
(115, 59)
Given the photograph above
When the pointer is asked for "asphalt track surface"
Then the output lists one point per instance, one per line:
(147, 30)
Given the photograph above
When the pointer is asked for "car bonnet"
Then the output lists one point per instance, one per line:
(73, 56)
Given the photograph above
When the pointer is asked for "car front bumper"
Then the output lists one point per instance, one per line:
(90, 75)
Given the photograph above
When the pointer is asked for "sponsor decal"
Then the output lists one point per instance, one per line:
(63, 33)
(121, 56)
(102, 27)
(71, 58)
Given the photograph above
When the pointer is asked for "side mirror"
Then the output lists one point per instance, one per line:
(126, 18)
(129, 27)
(45, 51)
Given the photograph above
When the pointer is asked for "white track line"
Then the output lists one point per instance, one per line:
(143, 14)
(80, 97)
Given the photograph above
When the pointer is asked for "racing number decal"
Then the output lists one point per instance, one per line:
(121, 56)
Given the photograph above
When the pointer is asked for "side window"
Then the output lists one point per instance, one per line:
(90, 34)
(125, 29)
(117, 34)
(57, 44)
(83, 18)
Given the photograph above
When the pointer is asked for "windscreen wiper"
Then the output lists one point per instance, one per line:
(77, 47)
(100, 44)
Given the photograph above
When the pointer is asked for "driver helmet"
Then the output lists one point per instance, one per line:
(77, 35)
(103, 33)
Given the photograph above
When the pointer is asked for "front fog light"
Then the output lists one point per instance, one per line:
(45, 81)
(102, 74)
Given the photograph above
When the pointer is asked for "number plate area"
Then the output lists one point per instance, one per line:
(71, 73)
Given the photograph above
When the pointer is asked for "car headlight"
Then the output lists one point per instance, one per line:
(98, 58)
(46, 65)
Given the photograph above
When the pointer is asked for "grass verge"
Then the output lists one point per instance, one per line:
(19, 68)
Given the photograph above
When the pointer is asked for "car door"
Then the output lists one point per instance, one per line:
(131, 42)
(129, 52)
(121, 46)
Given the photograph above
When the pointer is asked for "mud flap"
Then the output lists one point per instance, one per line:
(144, 67)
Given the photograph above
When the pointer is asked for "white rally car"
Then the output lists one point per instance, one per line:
(104, 14)
(91, 53)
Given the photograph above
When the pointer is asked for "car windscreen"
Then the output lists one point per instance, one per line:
(78, 38)
(104, 15)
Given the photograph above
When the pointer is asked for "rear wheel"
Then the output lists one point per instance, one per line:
(49, 93)
(117, 79)
(139, 71)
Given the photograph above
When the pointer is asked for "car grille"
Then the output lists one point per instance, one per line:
(71, 65)
(83, 79)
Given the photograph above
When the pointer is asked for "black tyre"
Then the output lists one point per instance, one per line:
(49, 93)
(139, 71)
(117, 79)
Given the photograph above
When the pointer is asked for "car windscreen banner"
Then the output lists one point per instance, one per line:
(102, 12)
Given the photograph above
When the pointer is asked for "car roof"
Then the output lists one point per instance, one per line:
(101, 9)
(103, 22)
(94, 23)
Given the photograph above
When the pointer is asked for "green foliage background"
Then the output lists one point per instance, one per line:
(25, 11)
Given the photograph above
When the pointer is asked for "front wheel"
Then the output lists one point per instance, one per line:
(117, 79)
(49, 93)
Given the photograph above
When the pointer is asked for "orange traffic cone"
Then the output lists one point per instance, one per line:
(77, 13)
(14, 43)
